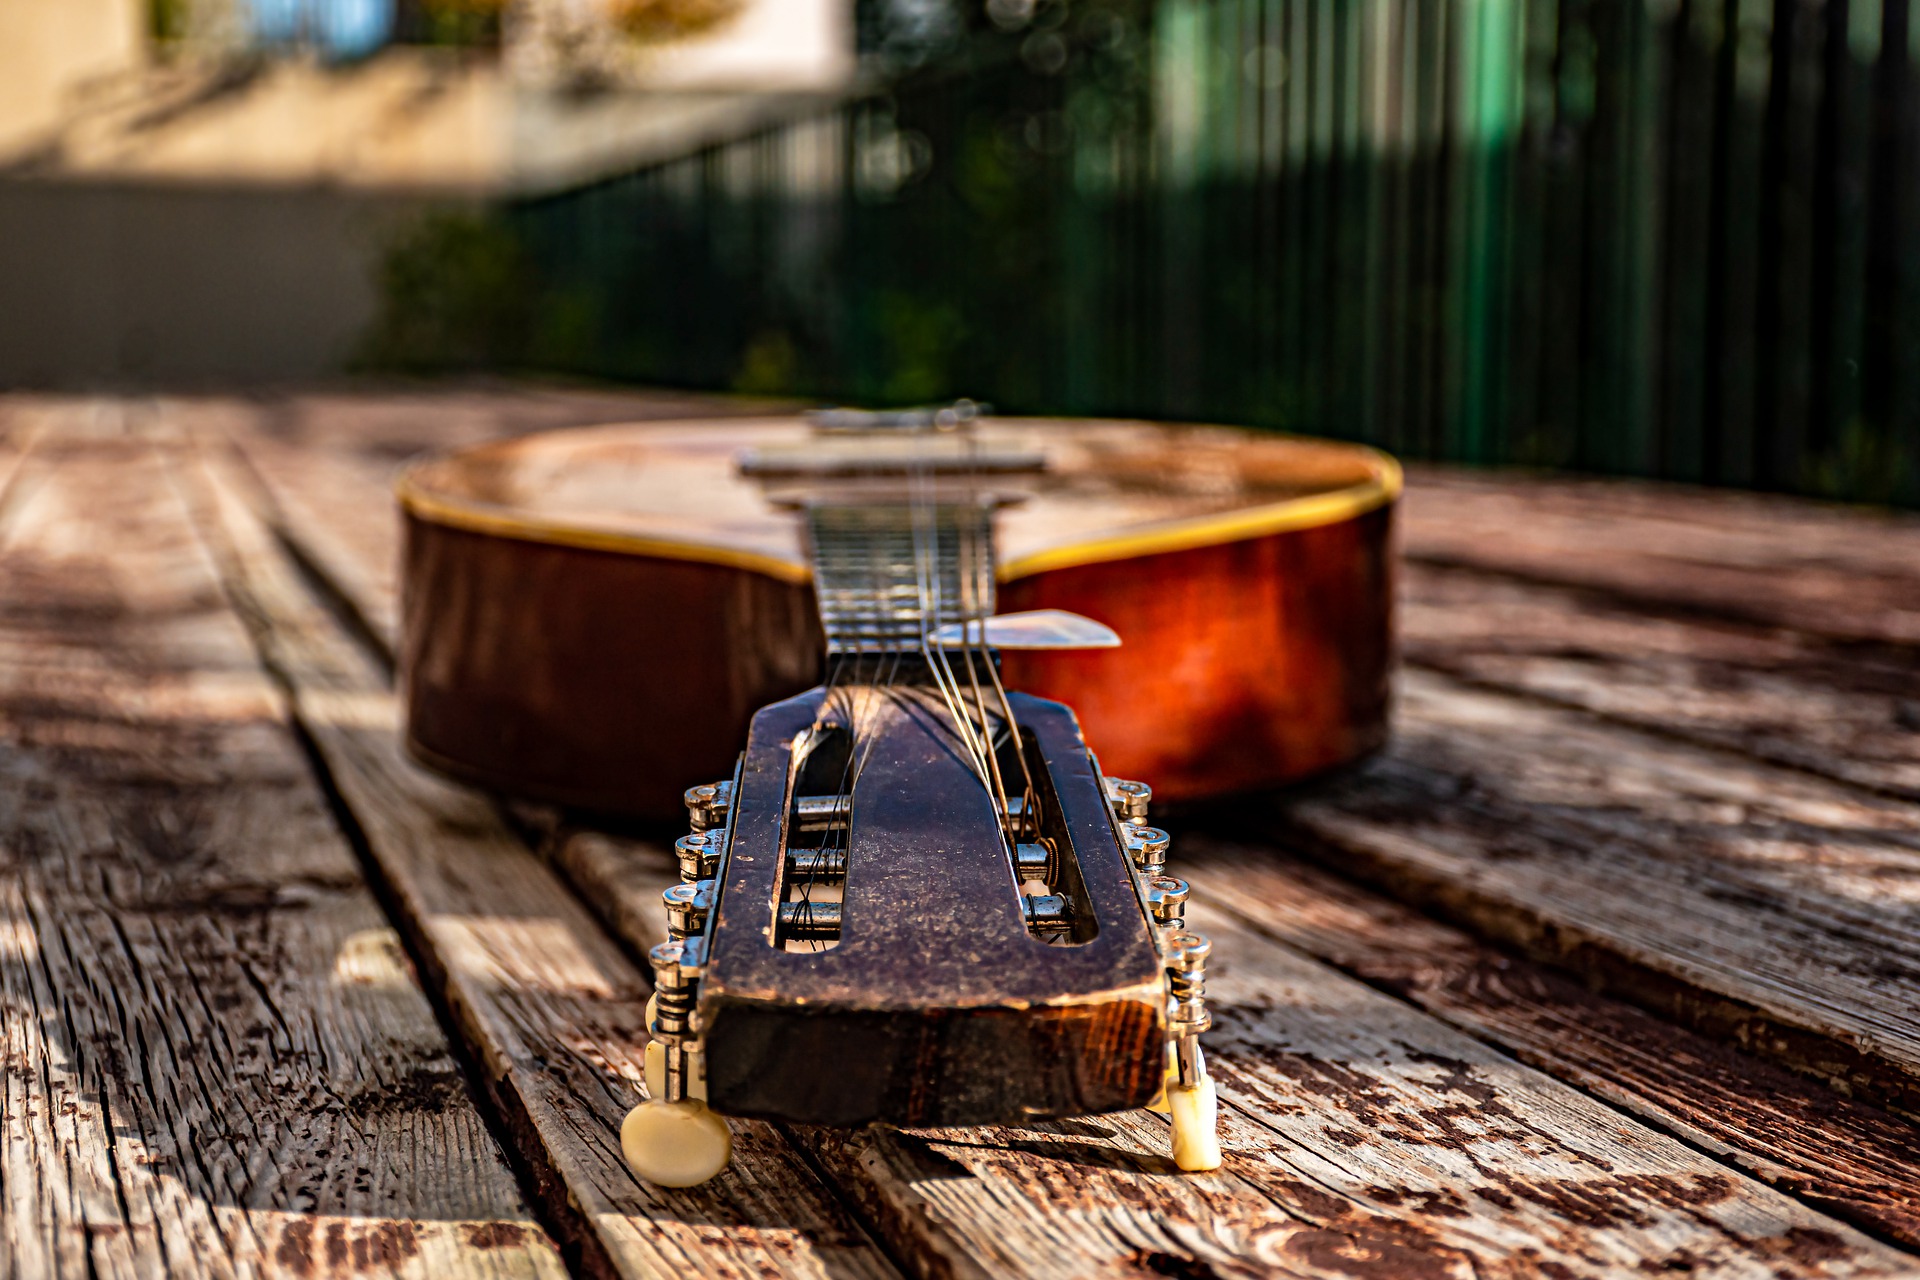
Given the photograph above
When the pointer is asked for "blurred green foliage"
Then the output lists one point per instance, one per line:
(1481, 239)
(456, 291)
(167, 19)
(456, 23)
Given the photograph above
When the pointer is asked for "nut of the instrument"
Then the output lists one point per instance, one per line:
(1166, 899)
(1147, 846)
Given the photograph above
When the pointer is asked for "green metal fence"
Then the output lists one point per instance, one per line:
(1676, 238)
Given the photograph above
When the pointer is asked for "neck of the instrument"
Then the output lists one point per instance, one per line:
(886, 575)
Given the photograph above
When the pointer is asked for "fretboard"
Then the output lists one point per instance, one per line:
(886, 575)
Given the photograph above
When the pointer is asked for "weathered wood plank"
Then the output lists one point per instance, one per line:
(1778, 695)
(1757, 904)
(337, 515)
(217, 1059)
(1362, 1137)
(1852, 575)
(1843, 1156)
(551, 1006)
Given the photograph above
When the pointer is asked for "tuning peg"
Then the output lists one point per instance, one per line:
(1129, 799)
(675, 1144)
(687, 908)
(1167, 901)
(1147, 846)
(672, 1139)
(709, 804)
(1195, 1113)
(1190, 1097)
(699, 854)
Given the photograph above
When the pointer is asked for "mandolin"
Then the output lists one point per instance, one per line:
(592, 617)
(917, 898)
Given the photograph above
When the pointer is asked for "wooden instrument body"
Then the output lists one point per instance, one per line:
(935, 1006)
(608, 663)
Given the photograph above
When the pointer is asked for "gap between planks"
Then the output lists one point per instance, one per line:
(549, 1004)
(1386, 1139)
(1849, 575)
(217, 1059)
(1842, 1156)
(1775, 695)
(1759, 904)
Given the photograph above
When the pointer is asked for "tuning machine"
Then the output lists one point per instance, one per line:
(1129, 799)
(1189, 1098)
(1166, 901)
(672, 1139)
(688, 905)
(709, 805)
(1147, 846)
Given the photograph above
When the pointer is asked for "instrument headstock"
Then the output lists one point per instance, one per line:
(918, 901)
(886, 946)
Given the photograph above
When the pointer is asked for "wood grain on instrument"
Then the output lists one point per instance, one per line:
(592, 678)
(1242, 665)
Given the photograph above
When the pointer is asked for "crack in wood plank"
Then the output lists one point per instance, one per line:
(216, 1060)
(1362, 1138)
(1758, 904)
(1760, 691)
(1846, 574)
(1841, 1156)
(548, 1002)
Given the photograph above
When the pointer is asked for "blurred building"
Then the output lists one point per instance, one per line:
(202, 188)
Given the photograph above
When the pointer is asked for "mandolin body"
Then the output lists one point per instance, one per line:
(593, 617)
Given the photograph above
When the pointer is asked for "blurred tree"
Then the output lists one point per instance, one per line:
(456, 292)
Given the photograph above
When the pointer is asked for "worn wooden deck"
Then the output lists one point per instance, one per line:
(1610, 965)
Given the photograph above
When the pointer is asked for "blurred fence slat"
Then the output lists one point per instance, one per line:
(1677, 238)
